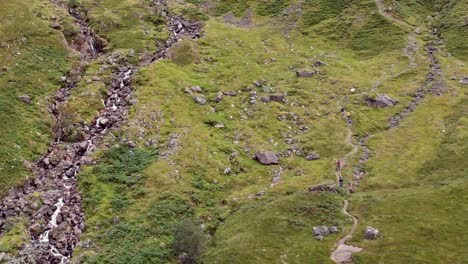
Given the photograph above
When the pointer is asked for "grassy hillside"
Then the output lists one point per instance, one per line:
(179, 176)
(33, 57)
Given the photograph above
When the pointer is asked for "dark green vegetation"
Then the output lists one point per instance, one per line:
(196, 194)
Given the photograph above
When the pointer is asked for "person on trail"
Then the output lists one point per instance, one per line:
(340, 180)
(350, 122)
(351, 188)
(348, 115)
(338, 165)
(342, 110)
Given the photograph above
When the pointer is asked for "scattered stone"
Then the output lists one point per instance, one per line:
(304, 73)
(275, 180)
(219, 97)
(227, 171)
(267, 158)
(199, 100)
(103, 121)
(320, 231)
(36, 229)
(219, 125)
(318, 63)
(464, 80)
(25, 99)
(193, 89)
(333, 230)
(260, 193)
(230, 93)
(319, 237)
(381, 101)
(371, 233)
(131, 144)
(281, 98)
(55, 25)
(313, 156)
(4, 68)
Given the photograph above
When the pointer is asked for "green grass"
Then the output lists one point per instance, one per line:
(282, 230)
(136, 199)
(36, 59)
(128, 24)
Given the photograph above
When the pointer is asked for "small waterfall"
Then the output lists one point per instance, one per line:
(44, 238)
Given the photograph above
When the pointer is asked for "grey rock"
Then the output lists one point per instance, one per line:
(230, 93)
(193, 89)
(131, 144)
(4, 68)
(227, 171)
(319, 63)
(25, 99)
(267, 158)
(319, 237)
(464, 80)
(275, 180)
(304, 73)
(103, 121)
(199, 100)
(320, 231)
(313, 156)
(219, 97)
(55, 25)
(260, 193)
(281, 98)
(36, 229)
(333, 230)
(381, 101)
(371, 233)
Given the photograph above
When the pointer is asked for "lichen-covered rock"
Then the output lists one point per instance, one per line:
(371, 233)
(381, 101)
(267, 158)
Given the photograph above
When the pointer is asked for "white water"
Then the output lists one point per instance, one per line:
(44, 238)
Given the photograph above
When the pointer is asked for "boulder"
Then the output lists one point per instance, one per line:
(275, 180)
(55, 25)
(304, 73)
(230, 93)
(199, 100)
(318, 63)
(219, 97)
(281, 98)
(313, 156)
(267, 158)
(319, 237)
(193, 89)
(381, 101)
(103, 121)
(371, 233)
(320, 231)
(333, 230)
(25, 99)
(464, 80)
(36, 229)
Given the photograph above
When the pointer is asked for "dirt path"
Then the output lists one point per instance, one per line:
(342, 251)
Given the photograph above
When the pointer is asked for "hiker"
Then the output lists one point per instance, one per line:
(348, 115)
(350, 122)
(351, 188)
(340, 180)
(338, 165)
(342, 110)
